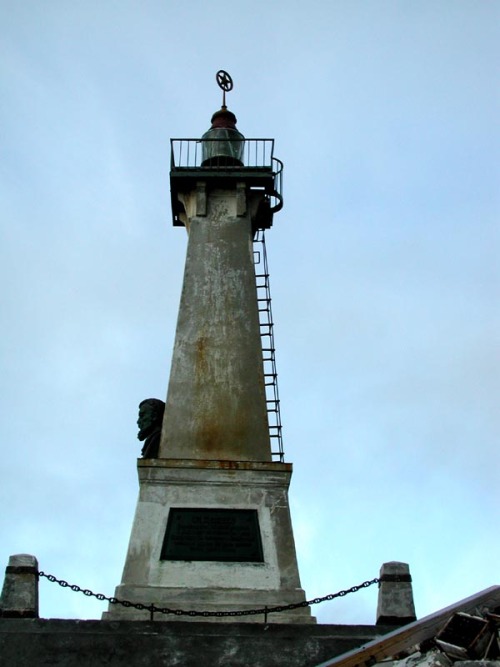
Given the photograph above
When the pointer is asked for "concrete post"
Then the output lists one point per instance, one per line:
(395, 597)
(20, 588)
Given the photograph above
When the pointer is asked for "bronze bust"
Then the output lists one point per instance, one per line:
(149, 422)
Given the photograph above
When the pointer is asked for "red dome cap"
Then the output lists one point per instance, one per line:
(224, 118)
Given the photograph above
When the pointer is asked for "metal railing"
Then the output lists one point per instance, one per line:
(257, 154)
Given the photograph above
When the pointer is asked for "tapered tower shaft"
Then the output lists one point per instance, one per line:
(216, 402)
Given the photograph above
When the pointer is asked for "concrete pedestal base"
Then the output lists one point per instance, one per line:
(211, 585)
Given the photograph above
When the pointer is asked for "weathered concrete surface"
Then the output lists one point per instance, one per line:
(30, 643)
(216, 403)
(395, 598)
(211, 585)
(20, 588)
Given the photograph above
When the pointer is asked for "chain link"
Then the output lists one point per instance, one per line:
(218, 614)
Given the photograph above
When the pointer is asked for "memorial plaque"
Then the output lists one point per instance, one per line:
(212, 534)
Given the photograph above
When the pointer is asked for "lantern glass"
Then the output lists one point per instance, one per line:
(222, 147)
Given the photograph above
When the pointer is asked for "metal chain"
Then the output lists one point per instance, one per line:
(181, 612)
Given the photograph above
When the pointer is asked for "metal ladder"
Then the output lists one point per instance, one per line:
(268, 349)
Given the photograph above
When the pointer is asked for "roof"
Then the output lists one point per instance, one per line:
(428, 633)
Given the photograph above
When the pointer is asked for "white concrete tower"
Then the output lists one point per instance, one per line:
(212, 529)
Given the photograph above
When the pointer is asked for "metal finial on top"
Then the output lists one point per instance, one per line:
(225, 82)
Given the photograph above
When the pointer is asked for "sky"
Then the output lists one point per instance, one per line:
(383, 261)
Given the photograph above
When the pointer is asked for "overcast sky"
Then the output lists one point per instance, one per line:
(384, 275)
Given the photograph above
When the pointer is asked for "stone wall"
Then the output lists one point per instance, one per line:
(70, 643)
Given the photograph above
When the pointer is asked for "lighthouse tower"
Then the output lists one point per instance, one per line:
(212, 529)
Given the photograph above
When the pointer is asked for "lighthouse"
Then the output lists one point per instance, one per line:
(212, 530)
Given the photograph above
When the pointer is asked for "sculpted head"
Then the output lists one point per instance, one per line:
(150, 417)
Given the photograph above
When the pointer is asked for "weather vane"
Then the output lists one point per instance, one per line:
(225, 82)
